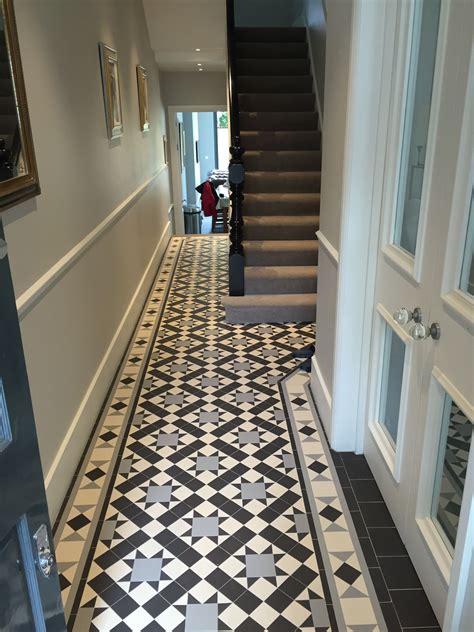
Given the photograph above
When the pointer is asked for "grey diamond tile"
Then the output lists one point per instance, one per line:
(208, 417)
(205, 527)
(201, 617)
(245, 397)
(159, 494)
(260, 565)
(146, 570)
(207, 463)
(210, 381)
(251, 436)
(179, 368)
(167, 439)
(253, 490)
(289, 461)
(301, 523)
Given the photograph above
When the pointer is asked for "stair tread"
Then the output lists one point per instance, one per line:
(280, 271)
(276, 244)
(288, 153)
(271, 299)
(290, 220)
(288, 197)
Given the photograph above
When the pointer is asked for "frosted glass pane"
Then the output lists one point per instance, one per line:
(417, 118)
(392, 379)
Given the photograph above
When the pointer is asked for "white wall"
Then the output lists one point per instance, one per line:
(338, 48)
(76, 312)
(194, 88)
(315, 14)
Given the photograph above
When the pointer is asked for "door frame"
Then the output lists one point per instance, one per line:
(176, 191)
(365, 147)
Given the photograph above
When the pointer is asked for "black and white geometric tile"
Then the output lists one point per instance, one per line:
(453, 468)
(196, 513)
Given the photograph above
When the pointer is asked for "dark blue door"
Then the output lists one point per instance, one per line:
(30, 599)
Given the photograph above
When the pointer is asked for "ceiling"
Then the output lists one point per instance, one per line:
(178, 27)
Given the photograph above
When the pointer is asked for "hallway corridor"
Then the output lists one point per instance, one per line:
(207, 498)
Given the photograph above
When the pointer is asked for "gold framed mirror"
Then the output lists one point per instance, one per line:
(18, 171)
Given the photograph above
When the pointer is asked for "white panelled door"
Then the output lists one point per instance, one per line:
(421, 410)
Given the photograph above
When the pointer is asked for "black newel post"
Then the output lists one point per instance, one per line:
(236, 251)
(236, 168)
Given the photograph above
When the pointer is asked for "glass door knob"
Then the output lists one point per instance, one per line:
(418, 331)
(403, 315)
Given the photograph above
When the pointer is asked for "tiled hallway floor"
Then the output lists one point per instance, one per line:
(207, 499)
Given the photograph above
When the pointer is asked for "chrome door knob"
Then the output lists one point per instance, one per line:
(403, 315)
(418, 331)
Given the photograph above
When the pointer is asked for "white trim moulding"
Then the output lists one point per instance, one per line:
(26, 301)
(328, 247)
(60, 472)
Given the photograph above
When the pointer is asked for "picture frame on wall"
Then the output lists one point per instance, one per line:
(111, 88)
(182, 144)
(165, 148)
(19, 178)
(142, 84)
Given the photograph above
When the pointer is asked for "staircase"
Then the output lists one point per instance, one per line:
(282, 160)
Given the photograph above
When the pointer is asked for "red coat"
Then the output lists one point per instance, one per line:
(208, 202)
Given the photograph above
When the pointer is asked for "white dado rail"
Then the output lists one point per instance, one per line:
(35, 292)
(328, 247)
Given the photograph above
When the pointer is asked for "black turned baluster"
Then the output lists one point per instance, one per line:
(236, 168)
(236, 252)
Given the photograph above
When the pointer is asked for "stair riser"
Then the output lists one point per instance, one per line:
(270, 34)
(271, 182)
(276, 102)
(8, 123)
(275, 232)
(275, 85)
(276, 257)
(281, 141)
(255, 204)
(303, 285)
(291, 161)
(274, 67)
(278, 121)
(263, 314)
(259, 50)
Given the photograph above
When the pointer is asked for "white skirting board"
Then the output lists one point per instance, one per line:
(60, 473)
(322, 396)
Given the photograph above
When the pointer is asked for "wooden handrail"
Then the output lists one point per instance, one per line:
(236, 167)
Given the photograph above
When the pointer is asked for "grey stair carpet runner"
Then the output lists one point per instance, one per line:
(279, 132)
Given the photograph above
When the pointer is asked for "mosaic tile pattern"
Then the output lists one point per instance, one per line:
(343, 559)
(198, 517)
(453, 477)
(75, 528)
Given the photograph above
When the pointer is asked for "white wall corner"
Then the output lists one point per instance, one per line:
(59, 476)
(357, 249)
(321, 395)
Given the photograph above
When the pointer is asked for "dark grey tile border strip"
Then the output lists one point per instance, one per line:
(68, 606)
(373, 563)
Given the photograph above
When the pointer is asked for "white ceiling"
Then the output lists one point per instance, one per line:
(178, 27)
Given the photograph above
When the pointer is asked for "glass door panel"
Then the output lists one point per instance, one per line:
(453, 454)
(392, 380)
(467, 270)
(416, 124)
